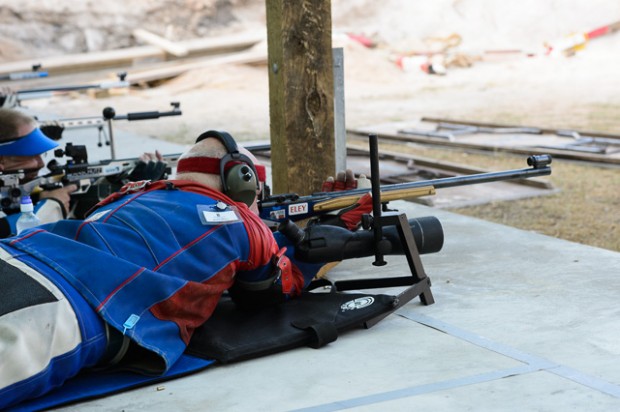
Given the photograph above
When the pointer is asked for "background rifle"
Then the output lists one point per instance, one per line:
(33, 74)
(108, 116)
(11, 191)
(94, 180)
(14, 99)
(278, 208)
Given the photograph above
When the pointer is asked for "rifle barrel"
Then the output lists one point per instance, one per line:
(476, 178)
(539, 163)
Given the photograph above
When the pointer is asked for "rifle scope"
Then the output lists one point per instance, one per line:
(327, 243)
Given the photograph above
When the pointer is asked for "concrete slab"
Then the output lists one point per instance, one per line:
(521, 321)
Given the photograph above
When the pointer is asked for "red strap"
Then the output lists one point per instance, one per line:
(353, 217)
(283, 265)
(598, 32)
(211, 165)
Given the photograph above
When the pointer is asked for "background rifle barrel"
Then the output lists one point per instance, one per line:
(23, 75)
(57, 89)
(103, 85)
(147, 115)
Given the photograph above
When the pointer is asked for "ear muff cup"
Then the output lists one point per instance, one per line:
(239, 181)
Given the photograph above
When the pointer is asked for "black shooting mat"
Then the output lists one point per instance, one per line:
(313, 319)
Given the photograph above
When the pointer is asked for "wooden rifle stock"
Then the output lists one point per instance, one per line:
(386, 196)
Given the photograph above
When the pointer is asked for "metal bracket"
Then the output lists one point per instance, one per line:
(419, 284)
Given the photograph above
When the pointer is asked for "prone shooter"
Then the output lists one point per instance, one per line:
(165, 252)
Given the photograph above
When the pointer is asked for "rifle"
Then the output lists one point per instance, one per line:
(108, 115)
(14, 99)
(33, 74)
(381, 234)
(280, 207)
(94, 180)
(98, 181)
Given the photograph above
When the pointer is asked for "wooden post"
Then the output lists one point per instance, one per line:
(301, 94)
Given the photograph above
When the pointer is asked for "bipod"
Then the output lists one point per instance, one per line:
(419, 283)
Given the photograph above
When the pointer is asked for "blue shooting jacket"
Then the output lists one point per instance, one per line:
(154, 263)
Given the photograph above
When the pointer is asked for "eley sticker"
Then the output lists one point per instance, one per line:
(298, 209)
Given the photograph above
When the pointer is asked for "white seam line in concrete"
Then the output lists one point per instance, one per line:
(533, 364)
(533, 360)
(418, 390)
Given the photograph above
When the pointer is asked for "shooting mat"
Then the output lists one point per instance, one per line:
(232, 334)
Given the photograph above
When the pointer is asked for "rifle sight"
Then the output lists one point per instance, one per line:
(539, 161)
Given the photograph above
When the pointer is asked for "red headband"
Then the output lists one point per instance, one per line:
(211, 165)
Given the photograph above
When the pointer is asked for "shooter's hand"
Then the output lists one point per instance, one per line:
(345, 181)
(62, 195)
(151, 166)
(351, 216)
(52, 130)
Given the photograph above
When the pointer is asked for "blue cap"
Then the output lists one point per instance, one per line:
(32, 144)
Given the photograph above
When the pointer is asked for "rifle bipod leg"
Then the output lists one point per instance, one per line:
(419, 283)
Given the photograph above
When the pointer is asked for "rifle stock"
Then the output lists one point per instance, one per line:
(278, 208)
(386, 196)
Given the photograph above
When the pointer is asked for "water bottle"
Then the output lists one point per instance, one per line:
(27, 219)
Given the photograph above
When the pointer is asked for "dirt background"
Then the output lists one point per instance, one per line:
(524, 87)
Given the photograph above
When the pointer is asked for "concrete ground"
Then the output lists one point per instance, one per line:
(521, 322)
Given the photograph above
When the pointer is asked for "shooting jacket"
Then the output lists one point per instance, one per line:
(154, 260)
